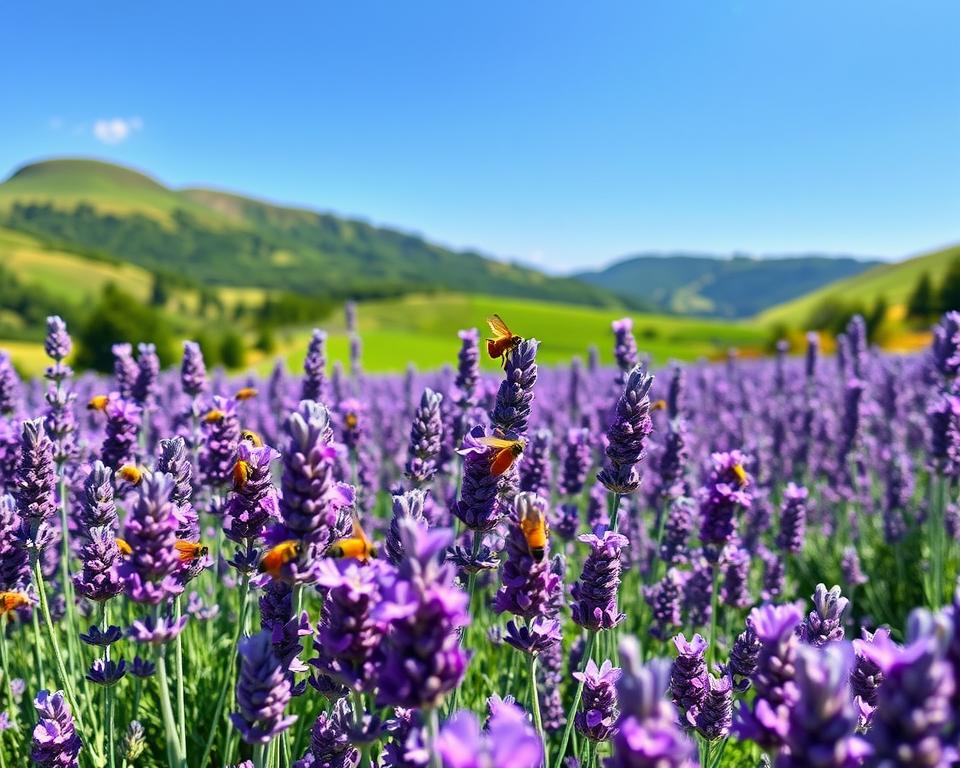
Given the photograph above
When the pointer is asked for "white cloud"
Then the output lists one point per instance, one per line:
(115, 130)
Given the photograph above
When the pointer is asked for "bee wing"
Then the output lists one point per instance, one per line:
(496, 442)
(358, 532)
(498, 327)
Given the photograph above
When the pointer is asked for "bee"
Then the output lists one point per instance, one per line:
(507, 452)
(659, 405)
(247, 393)
(10, 601)
(533, 524)
(213, 416)
(188, 551)
(351, 420)
(131, 473)
(357, 545)
(503, 342)
(241, 473)
(252, 437)
(125, 549)
(741, 474)
(98, 403)
(276, 557)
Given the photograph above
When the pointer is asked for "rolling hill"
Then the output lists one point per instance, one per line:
(893, 282)
(229, 240)
(735, 287)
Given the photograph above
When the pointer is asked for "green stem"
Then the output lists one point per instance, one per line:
(107, 692)
(166, 709)
(230, 674)
(65, 680)
(535, 706)
(587, 653)
(178, 656)
(434, 724)
(14, 713)
(259, 755)
(37, 650)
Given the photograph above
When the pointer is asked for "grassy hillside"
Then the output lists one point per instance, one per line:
(423, 329)
(722, 287)
(894, 282)
(228, 240)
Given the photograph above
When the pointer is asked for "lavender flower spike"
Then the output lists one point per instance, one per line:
(598, 713)
(263, 691)
(626, 434)
(55, 740)
(425, 437)
(35, 489)
(193, 370)
(509, 741)
(595, 594)
(824, 624)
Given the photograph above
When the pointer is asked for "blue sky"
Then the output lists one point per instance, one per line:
(559, 133)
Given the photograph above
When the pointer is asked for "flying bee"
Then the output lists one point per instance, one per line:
(659, 405)
(241, 473)
(125, 549)
(357, 545)
(252, 437)
(247, 393)
(741, 474)
(98, 403)
(278, 556)
(131, 473)
(507, 452)
(10, 601)
(533, 524)
(213, 416)
(188, 551)
(503, 342)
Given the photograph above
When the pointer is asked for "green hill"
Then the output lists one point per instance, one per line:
(893, 282)
(229, 240)
(736, 287)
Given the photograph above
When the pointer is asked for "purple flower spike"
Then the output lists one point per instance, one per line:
(150, 632)
(713, 716)
(55, 740)
(824, 624)
(527, 585)
(512, 409)
(263, 692)
(94, 636)
(9, 385)
(508, 742)
(688, 674)
(866, 676)
(793, 519)
(724, 493)
(598, 713)
(536, 638)
(252, 505)
(99, 579)
(330, 745)
(478, 507)
(142, 668)
(627, 433)
(648, 735)
(625, 346)
(36, 480)
(106, 673)
(426, 433)
(405, 505)
(122, 428)
(314, 384)
(14, 559)
(193, 370)
(595, 594)
(125, 369)
(98, 509)
(221, 435)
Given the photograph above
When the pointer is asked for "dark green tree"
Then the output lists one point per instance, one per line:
(922, 303)
(231, 350)
(160, 292)
(950, 290)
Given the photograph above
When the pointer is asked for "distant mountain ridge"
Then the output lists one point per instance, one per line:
(225, 239)
(737, 286)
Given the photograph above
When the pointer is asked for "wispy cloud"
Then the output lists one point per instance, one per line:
(115, 130)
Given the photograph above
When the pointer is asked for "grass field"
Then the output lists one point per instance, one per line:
(423, 329)
(895, 282)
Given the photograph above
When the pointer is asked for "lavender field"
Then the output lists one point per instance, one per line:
(739, 564)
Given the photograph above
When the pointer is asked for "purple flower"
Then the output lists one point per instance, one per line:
(174, 460)
(408, 744)
(735, 564)
(405, 505)
(193, 371)
(508, 742)
(106, 673)
(468, 368)
(57, 343)
(713, 716)
(122, 428)
(125, 369)
(36, 479)
(625, 346)
(14, 560)
(688, 673)
(421, 611)
(853, 574)
(724, 492)
(665, 598)
(535, 638)
(221, 435)
(527, 585)
(99, 579)
(822, 722)
(156, 632)
(149, 573)
(744, 657)
(866, 677)
(478, 508)
(767, 722)
(9, 385)
(577, 458)
(330, 745)
(945, 347)
(512, 409)
(426, 433)
(148, 371)
(824, 624)
(793, 519)
(55, 740)
(98, 509)
(95, 636)
(598, 713)
(595, 594)
(535, 474)
(142, 668)
(134, 741)
(313, 385)
(263, 692)
(629, 428)
(648, 735)
(252, 503)
(676, 531)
